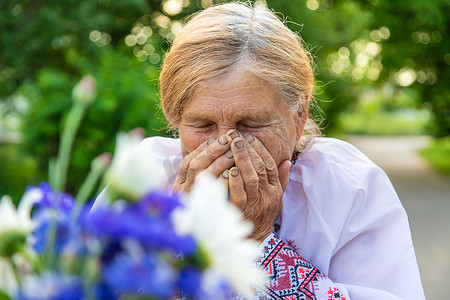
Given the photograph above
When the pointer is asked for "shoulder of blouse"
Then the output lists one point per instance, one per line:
(330, 157)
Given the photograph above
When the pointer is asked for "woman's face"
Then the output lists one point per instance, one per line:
(240, 100)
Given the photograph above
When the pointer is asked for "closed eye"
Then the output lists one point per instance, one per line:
(205, 126)
(252, 126)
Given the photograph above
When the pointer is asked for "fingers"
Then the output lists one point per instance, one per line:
(246, 169)
(223, 178)
(205, 158)
(283, 172)
(186, 161)
(211, 156)
(269, 162)
(224, 162)
(238, 195)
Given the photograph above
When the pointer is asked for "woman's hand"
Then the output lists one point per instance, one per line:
(213, 156)
(256, 184)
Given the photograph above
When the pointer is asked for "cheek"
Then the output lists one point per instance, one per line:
(279, 143)
(190, 140)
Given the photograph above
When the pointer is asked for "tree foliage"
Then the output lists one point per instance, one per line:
(358, 46)
(369, 44)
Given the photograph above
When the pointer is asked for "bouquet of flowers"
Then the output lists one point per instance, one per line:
(140, 242)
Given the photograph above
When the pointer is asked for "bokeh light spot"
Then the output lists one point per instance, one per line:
(312, 4)
(95, 35)
(373, 74)
(206, 3)
(436, 36)
(358, 73)
(130, 40)
(149, 49)
(172, 7)
(161, 20)
(375, 35)
(385, 33)
(362, 60)
(147, 31)
(405, 77)
(154, 58)
(176, 27)
(421, 76)
(447, 58)
(337, 67)
(373, 48)
(17, 10)
(344, 52)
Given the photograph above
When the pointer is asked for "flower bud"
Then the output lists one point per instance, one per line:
(85, 91)
(101, 162)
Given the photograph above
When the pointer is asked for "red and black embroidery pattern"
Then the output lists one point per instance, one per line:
(335, 294)
(290, 276)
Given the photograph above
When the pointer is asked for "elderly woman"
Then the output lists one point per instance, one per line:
(236, 85)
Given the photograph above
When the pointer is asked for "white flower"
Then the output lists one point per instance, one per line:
(15, 226)
(12, 220)
(133, 172)
(221, 231)
(8, 281)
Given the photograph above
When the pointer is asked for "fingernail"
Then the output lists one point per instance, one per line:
(249, 137)
(234, 172)
(210, 141)
(223, 140)
(229, 154)
(239, 144)
(226, 174)
(234, 134)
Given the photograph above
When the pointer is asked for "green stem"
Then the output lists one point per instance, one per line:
(87, 187)
(73, 122)
(32, 258)
(49, 254)
(88, 288)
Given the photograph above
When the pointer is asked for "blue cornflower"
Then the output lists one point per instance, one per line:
(67, 228)
(47, 220)
(159, 203)
(189, 282)
(51, 286)
(134, 222)
(148, 275)
(50, 199)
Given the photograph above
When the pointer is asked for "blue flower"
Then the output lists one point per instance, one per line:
(67, 229)
(159, 203)
(189, 282)
(51, 286)
(47, 221)
(147, 222)
(50, 199)
(148, 275)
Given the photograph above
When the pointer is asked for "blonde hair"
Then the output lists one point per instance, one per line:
(235, 35)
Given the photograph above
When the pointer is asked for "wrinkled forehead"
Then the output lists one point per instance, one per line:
(239, 94)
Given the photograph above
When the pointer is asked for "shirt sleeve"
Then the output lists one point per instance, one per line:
(350, 223)
(290, 276)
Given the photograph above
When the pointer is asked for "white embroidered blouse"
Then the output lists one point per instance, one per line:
(343, 216)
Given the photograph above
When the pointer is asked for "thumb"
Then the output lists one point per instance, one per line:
(283, 173)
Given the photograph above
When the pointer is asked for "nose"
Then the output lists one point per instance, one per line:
(231, 131)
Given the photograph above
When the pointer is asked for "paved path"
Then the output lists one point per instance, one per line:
(426, 197)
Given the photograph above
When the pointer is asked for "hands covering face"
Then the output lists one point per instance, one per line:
(256, 184)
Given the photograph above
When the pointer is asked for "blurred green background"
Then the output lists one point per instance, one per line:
(382, 69)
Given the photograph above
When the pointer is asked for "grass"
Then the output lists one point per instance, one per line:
(438, 155)
(402, 122)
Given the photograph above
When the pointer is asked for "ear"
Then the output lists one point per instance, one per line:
(302, 116)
